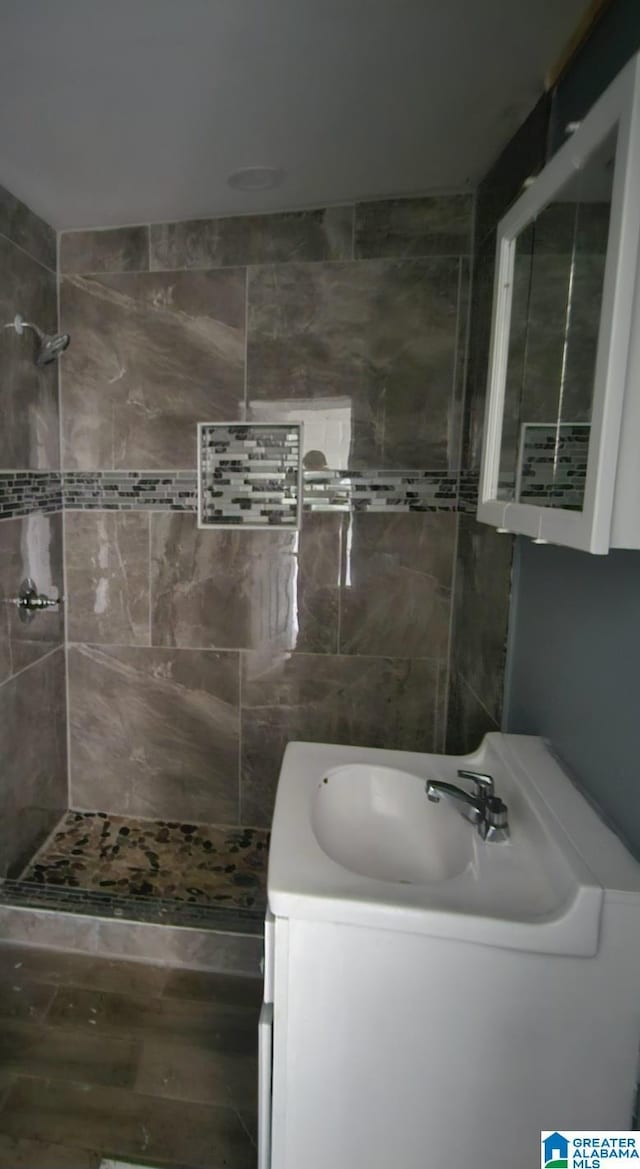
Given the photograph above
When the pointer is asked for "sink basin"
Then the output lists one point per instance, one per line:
(376, 821)
(356, 841)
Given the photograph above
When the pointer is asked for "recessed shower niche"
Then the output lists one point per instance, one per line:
(249, 475)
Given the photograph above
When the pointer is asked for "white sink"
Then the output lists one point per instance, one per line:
(356, 841)
(376, 821)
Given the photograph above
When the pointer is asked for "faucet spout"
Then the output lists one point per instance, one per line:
(471, 806)
(482, 807)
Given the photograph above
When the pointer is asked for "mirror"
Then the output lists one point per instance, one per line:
(556, 299)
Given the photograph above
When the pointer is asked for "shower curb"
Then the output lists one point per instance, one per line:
(216, 951)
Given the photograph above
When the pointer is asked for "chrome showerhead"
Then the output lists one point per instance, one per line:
(50, 345)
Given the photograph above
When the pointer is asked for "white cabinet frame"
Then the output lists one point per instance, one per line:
(589, 529)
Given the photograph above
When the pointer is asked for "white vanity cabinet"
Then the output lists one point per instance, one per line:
(446, 1021)
(562, 426)
(397, 1051)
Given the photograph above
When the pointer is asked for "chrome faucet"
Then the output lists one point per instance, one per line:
(481, 807)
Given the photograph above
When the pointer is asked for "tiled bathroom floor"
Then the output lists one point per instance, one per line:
(144, 1064)
(201, 864)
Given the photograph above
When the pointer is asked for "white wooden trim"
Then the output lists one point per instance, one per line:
(589, 529)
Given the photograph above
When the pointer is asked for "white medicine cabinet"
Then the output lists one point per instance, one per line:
(561, 454)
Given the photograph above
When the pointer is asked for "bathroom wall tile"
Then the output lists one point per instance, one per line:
(29, 431)
(371, 344)
(481, 610)
(33, 793)
(323, 234)
(107, 577)
(246, 590)
(151, 355)
(30, 547)
(154, 732)
(118, 249)
(5, 611)
(375, 702)
(478, 354)
(468, 721)
(396, 585)
(24, 228)
(434, 225)
(457, 415)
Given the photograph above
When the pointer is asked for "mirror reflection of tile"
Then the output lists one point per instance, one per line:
(552, 463)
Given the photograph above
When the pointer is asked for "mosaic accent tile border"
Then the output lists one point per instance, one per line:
(249, 475)
(23, 492)
(386, 491)
(326, 490)
(131, 490)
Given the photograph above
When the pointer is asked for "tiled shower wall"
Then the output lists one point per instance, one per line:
(195, 655)
(33, 782)
(483, 562)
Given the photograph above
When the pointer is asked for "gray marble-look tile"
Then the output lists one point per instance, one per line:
(477, 363)
(34, 781)
(154, 732)
(107, 563)
(396, 584)
(7, 584)
(151, 355)
(177, 947)
(552, 348)
(26, 229)
(467, 720)
(432, 225)
(481, 610)
(245, 590)
(29, 432)
(181, 947)
(374, 702)
(323, 234)
(30, 547)
(49, 929)
(118, 249)
(369, 348)
(456, 416)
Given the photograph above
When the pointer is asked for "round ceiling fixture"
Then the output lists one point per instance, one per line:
(256, 178)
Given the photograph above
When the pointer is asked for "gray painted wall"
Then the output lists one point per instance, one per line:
(574, 643)
(573, 672)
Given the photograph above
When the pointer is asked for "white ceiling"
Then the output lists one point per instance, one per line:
(127, 111)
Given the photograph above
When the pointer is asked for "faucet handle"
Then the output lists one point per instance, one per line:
(483, 783)
(496, 819)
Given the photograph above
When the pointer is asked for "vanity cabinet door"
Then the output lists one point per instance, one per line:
(566, 265)
(265, 1065)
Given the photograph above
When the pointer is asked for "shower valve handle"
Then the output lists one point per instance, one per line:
(29, 601)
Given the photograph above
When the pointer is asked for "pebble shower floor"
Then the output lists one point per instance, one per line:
(200, 864)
